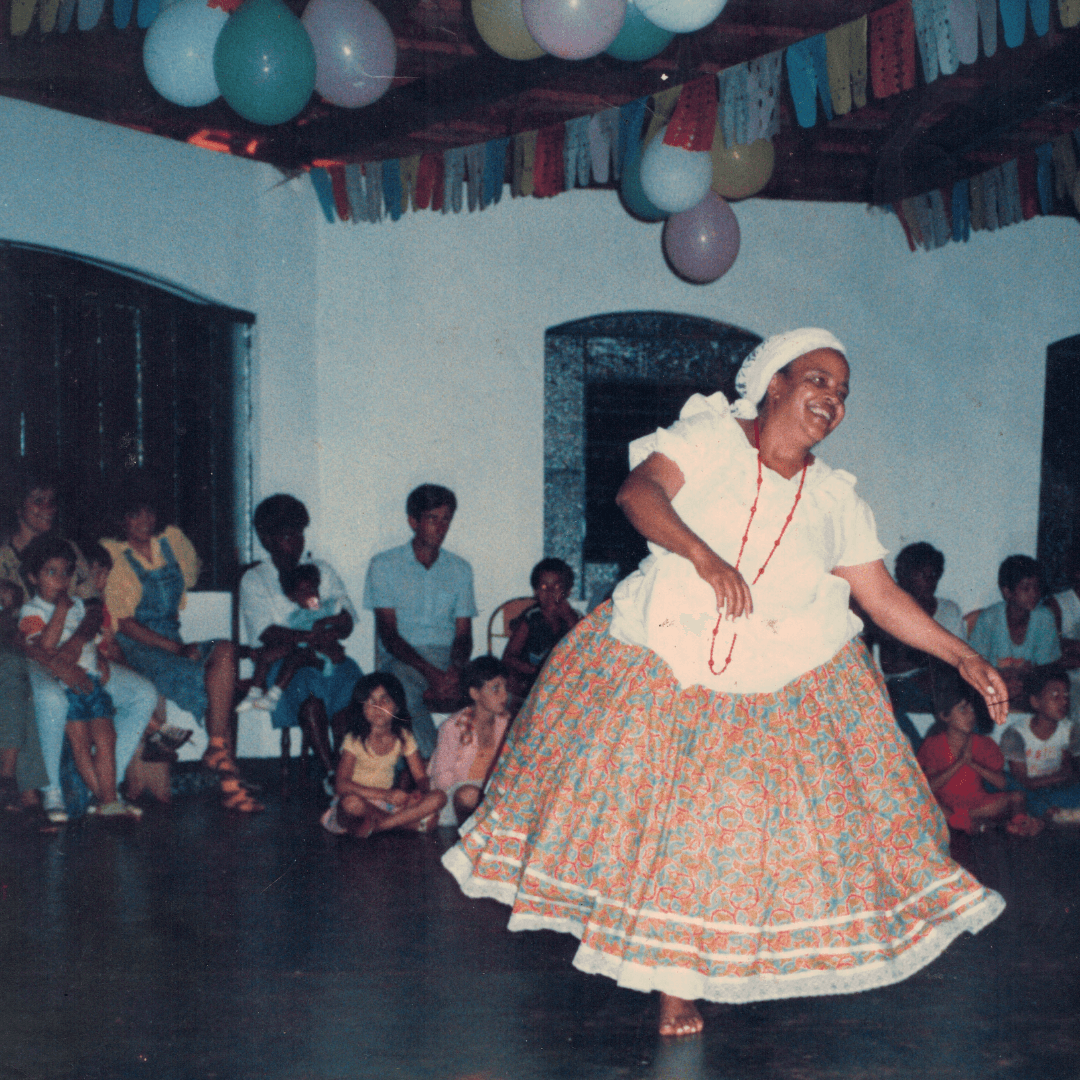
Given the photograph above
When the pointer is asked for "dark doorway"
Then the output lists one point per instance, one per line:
(609, 380)
(1059, 493)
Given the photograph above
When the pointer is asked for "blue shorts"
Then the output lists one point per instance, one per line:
(91, 705)
(333, 690)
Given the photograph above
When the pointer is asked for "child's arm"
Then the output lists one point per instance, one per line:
(49, 638)
(1033, 783)
(419, 773)
(939, 779)
(512, 654)
(994, 777)
(343, 784)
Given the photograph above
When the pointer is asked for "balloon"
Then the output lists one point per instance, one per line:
(574, 29)
(681, 16)
(178, 52)
(502, 26)
(638, 39)
(264, 62)
(355, 54)
(741, 171)
(630, 193)
(672, 178)
(702, 243)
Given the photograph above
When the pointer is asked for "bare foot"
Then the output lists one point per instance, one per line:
(679, 1017)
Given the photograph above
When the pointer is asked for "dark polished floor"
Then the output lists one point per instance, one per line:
(203, 945)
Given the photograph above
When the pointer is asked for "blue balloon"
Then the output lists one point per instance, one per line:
(639, 39)
(632, 197)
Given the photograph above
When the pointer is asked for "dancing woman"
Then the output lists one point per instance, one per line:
(721, 806)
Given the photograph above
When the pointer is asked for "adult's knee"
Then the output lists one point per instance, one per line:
(467, 799)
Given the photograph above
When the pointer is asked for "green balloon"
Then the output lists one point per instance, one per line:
(264, 62)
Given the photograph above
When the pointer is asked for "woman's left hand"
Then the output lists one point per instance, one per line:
(982, 675)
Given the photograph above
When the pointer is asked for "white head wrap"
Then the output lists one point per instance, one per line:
(769, 357)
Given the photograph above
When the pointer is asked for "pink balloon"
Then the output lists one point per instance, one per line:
(355, 54)
(701, 243)
(574, 29)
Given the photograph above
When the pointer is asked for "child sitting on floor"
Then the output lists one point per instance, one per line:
(470, 740)
(47, 622)
(378, 735)
(1041, 749)
(301, 585)
(957, 762)
(541, 628)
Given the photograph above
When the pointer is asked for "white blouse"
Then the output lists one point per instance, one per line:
(801, 616)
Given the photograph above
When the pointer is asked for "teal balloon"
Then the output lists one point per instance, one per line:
(633, 198)
(264, 62)
(639, 39)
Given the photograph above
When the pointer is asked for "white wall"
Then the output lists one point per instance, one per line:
(393, 354)
(430, 351)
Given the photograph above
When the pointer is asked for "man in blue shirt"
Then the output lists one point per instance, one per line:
(423, 602)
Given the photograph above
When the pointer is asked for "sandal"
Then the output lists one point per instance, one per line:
(219, 759)
(234, 796)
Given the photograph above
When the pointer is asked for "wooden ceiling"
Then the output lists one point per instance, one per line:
(452, 90)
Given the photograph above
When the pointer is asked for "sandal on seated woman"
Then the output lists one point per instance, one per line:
(153, 567)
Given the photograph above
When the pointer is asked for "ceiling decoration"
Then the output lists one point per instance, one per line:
(452, 91)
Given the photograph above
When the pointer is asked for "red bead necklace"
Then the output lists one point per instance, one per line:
(742, 546)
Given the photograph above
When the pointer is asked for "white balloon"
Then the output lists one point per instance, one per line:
(178, 52)
(680, 16)
(672, 178)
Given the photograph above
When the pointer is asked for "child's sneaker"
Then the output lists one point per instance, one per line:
(119, 809)
(252, 701)
(329, 820)
(53, 801)
(269, 700)
(1067, 816)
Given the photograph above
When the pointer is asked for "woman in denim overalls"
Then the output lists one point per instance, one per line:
(200, 677)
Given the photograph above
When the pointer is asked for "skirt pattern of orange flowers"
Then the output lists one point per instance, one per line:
(726, 847)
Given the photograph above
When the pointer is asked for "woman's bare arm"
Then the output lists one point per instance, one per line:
(898, 614)
(645, 498)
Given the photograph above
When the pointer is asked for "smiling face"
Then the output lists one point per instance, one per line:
(809, 394)
(37, 514)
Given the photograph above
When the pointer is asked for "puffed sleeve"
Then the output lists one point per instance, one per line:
(185, 555)
(409, 746)
(856, 530)
(705, 428)
(123, 590)
(1012, 745)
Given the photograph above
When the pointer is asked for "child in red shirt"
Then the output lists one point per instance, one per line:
(957, 762)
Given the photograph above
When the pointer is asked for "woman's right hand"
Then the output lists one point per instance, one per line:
(732, 592)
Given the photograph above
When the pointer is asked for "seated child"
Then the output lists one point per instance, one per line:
(1041, 749)
(378, 736)
(1017, 634)
(540, 629)
(470, 740)
(47, 622)
(958, 763)
(301, 585)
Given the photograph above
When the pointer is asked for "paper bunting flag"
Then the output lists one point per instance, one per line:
(47, 12)
(663, 105)
(408, 168)
(548, 168)
(121, 13)
(337, 187)
(1069, 10)
(988, 20)
(733, 104)
(961, 212)
(1012, 210)
(964, 20)
(763, 94)
(89, 13)
(146, 13)
(991, 198)
(576, 164)
(631, 121)
(917, 215)
(22, 15)
(808, 79)
(1028, 168)
(693, 122)
(892, 49)
(604, 145)
(64, 14)
(429, 175)
(373, 190)
(354, 189)
(320, 181)
(391, 189)
(939, 219)
(845, 49)
(494, 170)
(1064, 167)
(453, 179)
(474, 172)
(1045, 177)
(933, 32)
(1013, 21)
(524, 182)
(898, 210)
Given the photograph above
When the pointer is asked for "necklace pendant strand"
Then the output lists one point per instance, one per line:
(742, 548)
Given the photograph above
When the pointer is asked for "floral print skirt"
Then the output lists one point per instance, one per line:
(726, 847)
